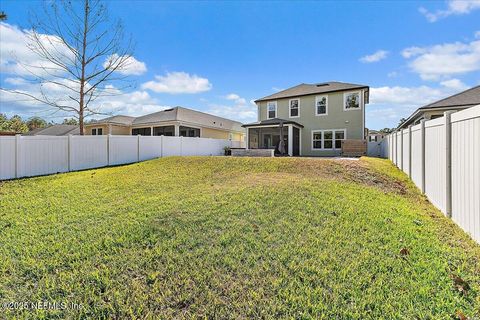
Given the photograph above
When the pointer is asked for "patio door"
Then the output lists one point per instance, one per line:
(296, 141)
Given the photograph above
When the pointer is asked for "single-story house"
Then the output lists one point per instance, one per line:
(457, 102)
(311, 119)
(375, 136)
(176, 121)
(55, 130)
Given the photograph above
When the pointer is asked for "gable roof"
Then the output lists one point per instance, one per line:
(121, 120)
(470, 97)
(55, 130)
(175, 114)
(459, 101)
(307, 89)
(270, 122)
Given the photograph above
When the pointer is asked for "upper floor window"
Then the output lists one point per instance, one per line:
(271, 109)
(351, 100)
(321, 105)
(294, 108)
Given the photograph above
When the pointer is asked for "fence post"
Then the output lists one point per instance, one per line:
(401, 149)
(138, 148)
(410, 151)
(108, 149)
(422, 148)
(448, 163)
(17, 151)
(161, 146)
(69, 150)
(181, 145)
(396, 149)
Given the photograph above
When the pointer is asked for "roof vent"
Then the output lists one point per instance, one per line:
(322, 84)
(171, 109)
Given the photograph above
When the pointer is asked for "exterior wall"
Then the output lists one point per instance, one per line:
(205, 132)
(336, 118)
(213, 133)
(116, 130)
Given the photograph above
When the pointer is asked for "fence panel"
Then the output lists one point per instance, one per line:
(172, 146)
(398, 154)
(123, 149)
(88, 152)
(373, 149)
(40, 155)
(406, 152)
(417, 155)
(466, 170)
(150, 147)
(7, 158)
(435, 172)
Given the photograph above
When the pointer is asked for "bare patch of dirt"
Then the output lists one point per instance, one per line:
(358, 172)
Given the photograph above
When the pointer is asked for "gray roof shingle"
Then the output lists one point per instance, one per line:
(307, 89)
(470, 97)
(55, 130)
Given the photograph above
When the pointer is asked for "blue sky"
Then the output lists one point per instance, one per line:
(219, 56)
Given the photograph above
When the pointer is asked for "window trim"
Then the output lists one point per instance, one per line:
(326, 106)
(323, 139)
(276, 109)
(290, 108)
(359, 102)
(96, 131)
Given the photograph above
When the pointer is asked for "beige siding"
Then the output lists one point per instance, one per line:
(116, 130)
(213, 133)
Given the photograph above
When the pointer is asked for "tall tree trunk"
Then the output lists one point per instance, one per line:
(82, 78)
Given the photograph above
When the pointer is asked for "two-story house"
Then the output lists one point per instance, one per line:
(310, 119)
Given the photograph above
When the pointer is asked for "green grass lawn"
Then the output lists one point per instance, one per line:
(222, 237)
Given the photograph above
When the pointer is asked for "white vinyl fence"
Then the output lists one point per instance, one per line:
(442, 157)
(27, 156)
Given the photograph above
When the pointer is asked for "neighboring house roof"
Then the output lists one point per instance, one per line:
(462, 100)
(54, 130)
(307, 89)
(118, 120)
(269, 122)
(174, 114)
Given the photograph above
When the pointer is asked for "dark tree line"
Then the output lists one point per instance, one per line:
(18, 125)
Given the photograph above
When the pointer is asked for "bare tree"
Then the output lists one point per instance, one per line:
(82, 54)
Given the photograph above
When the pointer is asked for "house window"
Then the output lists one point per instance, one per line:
(97, 132)
(141, 131)
(271, 109)
(294, 108)
(351, 101)
(321, 104)
(164, 131)
(328, 139)
(94, 132)
(189, 132)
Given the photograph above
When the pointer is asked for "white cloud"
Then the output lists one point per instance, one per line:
(389, 104)
(235, 97)
(454, 84)
(375, 57)
(240, 110)
(16, 57)
(392, 74)
(454, 7)
(444, 60)
(477, 34)
(178, 82)
(131, 67)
